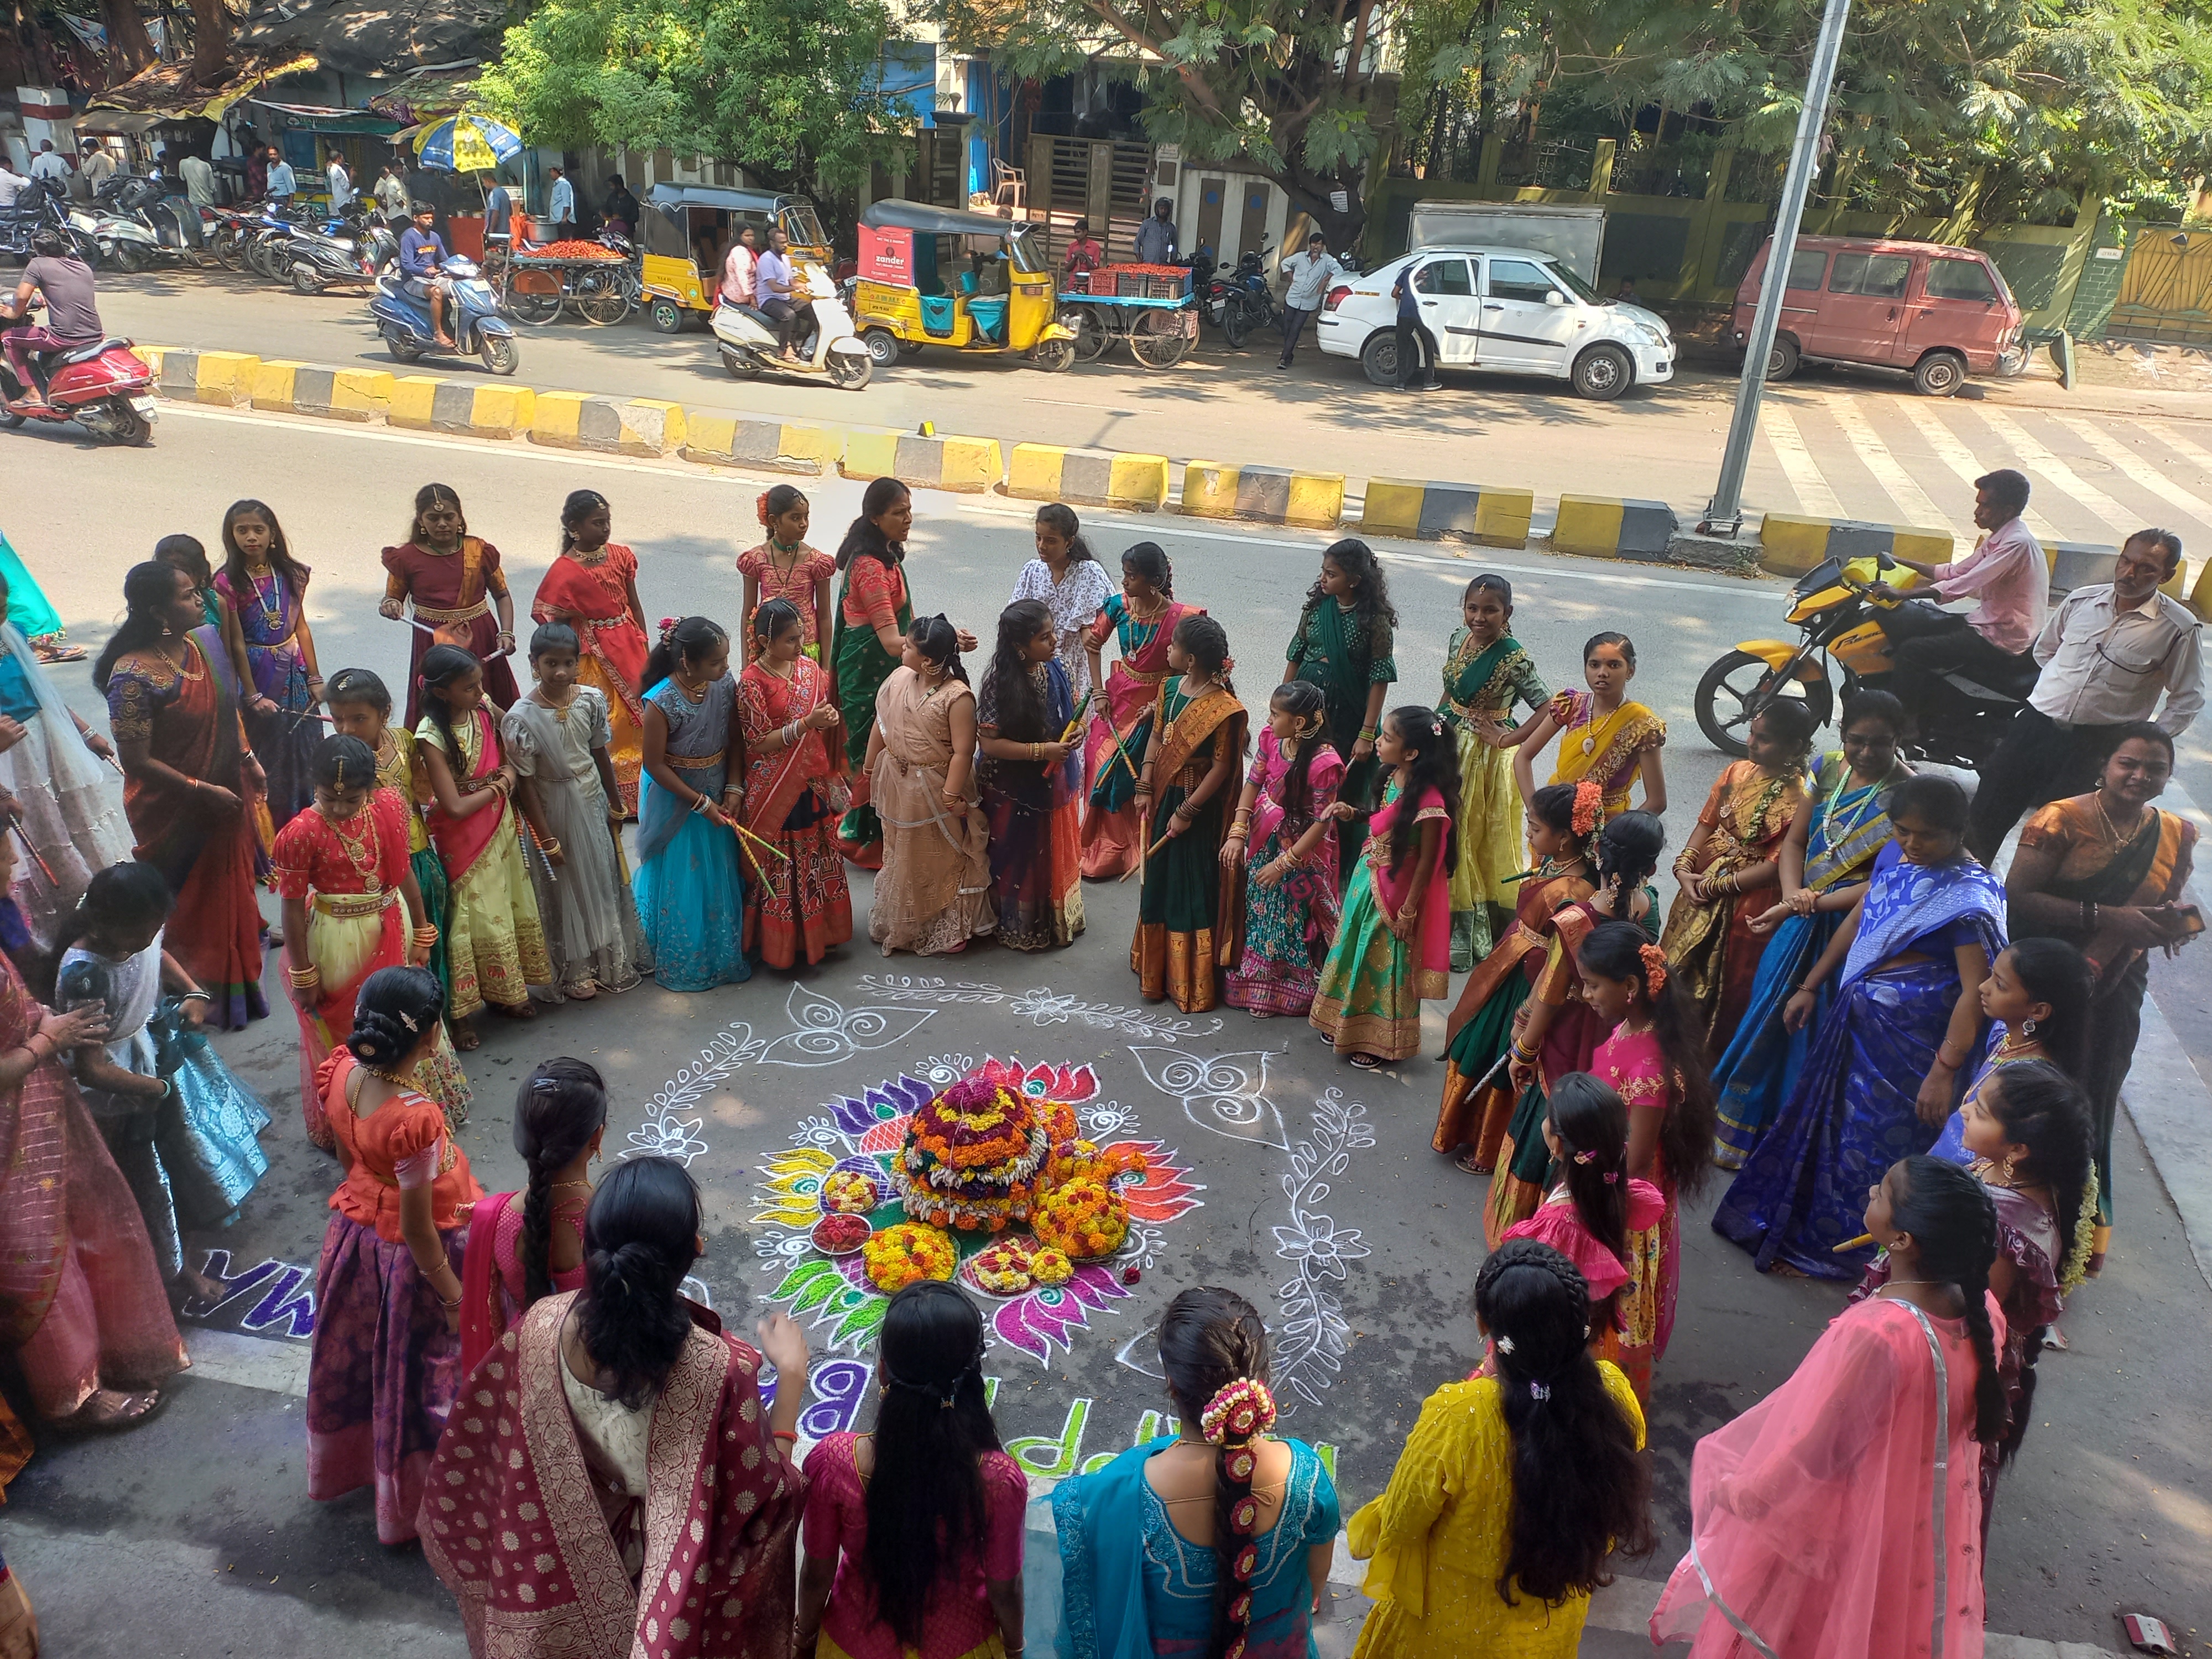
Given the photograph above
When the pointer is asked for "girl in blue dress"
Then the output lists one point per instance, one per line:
(689, 885)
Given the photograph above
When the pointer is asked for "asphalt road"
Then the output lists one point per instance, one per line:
(2109, 1509)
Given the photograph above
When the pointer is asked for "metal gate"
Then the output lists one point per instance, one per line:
(1105, 180)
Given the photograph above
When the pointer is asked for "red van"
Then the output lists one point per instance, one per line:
(1937, 314)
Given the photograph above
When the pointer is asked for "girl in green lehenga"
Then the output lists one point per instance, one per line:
(1343, 645)
(1485, 672)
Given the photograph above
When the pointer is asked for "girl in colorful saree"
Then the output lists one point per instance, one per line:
(1344, 641)
(457, 592)
(794, 785)
(1286, 817)
(638, 1462)
(1839, 1518)
(1188, 922)
(1731, 865)
(934, 894)
(689, 884)
(266, 589)
(1883, 1071)
(1487, 671)
(1602, 734)
(1824, 862)
(1032, 780)
(1143, 617)
(189, 781)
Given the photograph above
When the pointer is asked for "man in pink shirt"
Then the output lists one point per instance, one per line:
(2007, 578)
(737, 270)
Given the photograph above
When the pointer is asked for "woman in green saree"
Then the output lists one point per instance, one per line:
(1343, 645)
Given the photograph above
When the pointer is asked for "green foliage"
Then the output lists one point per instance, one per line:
(778, 87)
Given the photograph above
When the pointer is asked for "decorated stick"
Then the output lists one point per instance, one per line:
(23, 836)
(1860, 1242)
(1075, 720)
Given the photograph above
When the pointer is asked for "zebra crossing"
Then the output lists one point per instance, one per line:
(1896, 459)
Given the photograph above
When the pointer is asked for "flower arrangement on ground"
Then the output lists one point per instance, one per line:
(971, 1157)
(906, 1252)
(1083, 1219)
(850, 1192)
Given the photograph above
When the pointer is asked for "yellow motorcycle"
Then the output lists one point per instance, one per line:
(1837, 614)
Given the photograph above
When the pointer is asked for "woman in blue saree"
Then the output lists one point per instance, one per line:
(689, 886)
(1882, 1074)
(1144, 1572)
(1825, 861)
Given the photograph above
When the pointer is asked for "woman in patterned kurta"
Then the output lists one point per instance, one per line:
(593, 587)
(266, 589)
(1067, 577)
(1142, 618)
(1487, 671)
(454, 583)
(1343, 644)
(1290, 874)
(794, 783)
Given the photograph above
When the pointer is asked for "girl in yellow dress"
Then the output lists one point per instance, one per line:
(1602, 734)
(1516, 1488)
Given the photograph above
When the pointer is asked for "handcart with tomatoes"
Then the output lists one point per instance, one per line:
(1150, 307)
(593, 281)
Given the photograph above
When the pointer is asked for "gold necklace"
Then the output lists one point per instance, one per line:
(363, 867)
(272, 610)
(2111, 830)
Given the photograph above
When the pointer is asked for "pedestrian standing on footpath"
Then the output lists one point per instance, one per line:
(2106, 653)
(340, 179)
(49, 163)
(1347, 631)
(282, 186)
(1413, 332)
(1067, 577)
(392, 196)
(1486, 672)
(560, 206)
(96, 169)
(795, 790)
(199, 180)
(1156, 238)
(454, 582)
(1287, 817)
(266, 590)
(1311, 273)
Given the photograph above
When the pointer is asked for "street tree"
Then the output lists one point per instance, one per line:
(785, 88)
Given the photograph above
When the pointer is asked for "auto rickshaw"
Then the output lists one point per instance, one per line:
(675, 293)
(911, 292)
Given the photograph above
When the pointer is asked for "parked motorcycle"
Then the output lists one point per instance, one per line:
(1836, 611)
(43, 203)
(1247, 303)
(833, 351)
(139, 223)
(350, 251)
(103, 385)
(472, 318)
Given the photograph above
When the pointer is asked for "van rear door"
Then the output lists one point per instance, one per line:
(1862, 315)
(1956, 304)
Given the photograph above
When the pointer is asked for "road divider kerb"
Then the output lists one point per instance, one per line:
(1791, 545)
(1262, 495)
(1087, 478)
(222, 378)
(722, 437)
(616, 426)
(1428, 510)
(1615, 527)
(361, 395)
(967, 466)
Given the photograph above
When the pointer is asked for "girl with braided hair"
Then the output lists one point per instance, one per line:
(1839, 1517)
(1394, 948)
(1210, 1543)
(524, 1246)
(914, 1533)
(1517, 1487)
(1284, 817)
(1142, 618)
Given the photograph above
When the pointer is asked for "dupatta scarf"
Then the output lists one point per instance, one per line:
(1607, 749)
(1848, 828)
(1484, 682)
(462, 842)
(774, 782)
(1132, 686)
(513, 1523)
(1909, 900)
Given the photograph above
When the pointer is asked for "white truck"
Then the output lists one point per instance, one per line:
(1575, 236)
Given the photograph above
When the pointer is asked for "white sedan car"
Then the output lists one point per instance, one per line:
(1511, 310)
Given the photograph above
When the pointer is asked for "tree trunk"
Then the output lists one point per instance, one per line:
(1310, 191)
(1484, 77)
(211, 29)
(130, 48)
(1439, 114)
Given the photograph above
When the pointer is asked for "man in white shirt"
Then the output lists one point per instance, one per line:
(11, 183)
(560, 207)
(199, 180)
(2106, 653)
(1311, 273)
(2006, 575)
(341, 183)
(392, 192)
(97, 168)
(49, 163)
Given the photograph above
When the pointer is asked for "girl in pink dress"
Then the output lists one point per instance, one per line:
(1654, 1060)
(786, 565)
(1290, 868)
(914, 1533)
(1840, 1517)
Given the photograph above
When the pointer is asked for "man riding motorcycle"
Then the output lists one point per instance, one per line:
(72, 319)
(421, 259)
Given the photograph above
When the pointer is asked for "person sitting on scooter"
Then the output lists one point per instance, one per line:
(2010, 582)
(72, 318)
(773, 281)
(422, 259)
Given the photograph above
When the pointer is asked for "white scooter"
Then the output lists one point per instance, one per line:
(832, 352)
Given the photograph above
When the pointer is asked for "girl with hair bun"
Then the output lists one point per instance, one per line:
(919, 1524)
(934, 892)
(454, 583)
(1839, 1517)
(1487, 671)
(1480, 1027)
(385, 1362)
(1517, 1489)
(638, 1437)
(1213, 1542)
(1285, 817)
(1732, 863)
(689, 884)
(1187, 923)
(794, 789)
(1394, 948)
(1067, 580)
(352, 906)
(1142, 619)
(524, 1246)
(560, 739)
(785, 566)
(591, 587)
(1346, 635)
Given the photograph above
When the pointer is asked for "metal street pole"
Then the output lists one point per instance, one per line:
(1724, 516)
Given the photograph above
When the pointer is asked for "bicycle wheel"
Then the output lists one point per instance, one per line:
(533, 296)
(1156, 339)
(599, 298)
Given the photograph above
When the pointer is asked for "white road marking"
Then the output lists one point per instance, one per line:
(1806, 482)
(248, 1362)
(2179, 444)
(1952, 451)
(2031, 455)
(2136, 469)
(1915, 505)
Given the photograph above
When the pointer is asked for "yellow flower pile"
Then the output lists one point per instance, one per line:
(905, 1253)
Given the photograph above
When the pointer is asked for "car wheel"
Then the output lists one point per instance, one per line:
(1940, 375)
(1782, 358)
(1379, 357)
(1603, 374)
(667, 316)
(882, 346)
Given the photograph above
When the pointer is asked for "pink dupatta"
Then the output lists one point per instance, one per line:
(1433, 936)
(461, 842)
(492, 1306)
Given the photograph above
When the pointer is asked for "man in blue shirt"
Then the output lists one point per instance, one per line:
(1156, 237)
(560, 207)
(283, 187)
(772, 284)
(422, 259)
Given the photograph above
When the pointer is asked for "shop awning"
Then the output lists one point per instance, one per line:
(167, 90)
(108, 123)
(323, 118)
(427, 93)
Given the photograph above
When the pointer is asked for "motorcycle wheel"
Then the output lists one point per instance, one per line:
(229, 250)
(401, 352)
(1236, 324)
(10, 419)
(498, 352)
(1737, 686)
(850, 372)
(743, 366)
(129, 426)
(128, 258)
(305, 279)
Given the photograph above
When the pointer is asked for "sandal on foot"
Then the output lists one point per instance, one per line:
(1466, 1161)
(465, 1036)
(109, 1409)
(1366, 1063)
(583, 992)
(515, 1011)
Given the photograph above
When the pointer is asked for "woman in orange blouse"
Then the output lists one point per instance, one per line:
(386, 1361)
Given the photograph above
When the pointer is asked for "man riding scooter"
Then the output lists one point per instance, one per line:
(422, 261)
(72, 318)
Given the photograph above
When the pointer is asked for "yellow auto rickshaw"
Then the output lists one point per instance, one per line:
(973, 281)
(675, 290)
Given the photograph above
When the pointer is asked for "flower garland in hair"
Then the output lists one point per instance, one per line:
(1589, 806)
(1238, 1411)
(1655, 968)
(2074, 1270)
